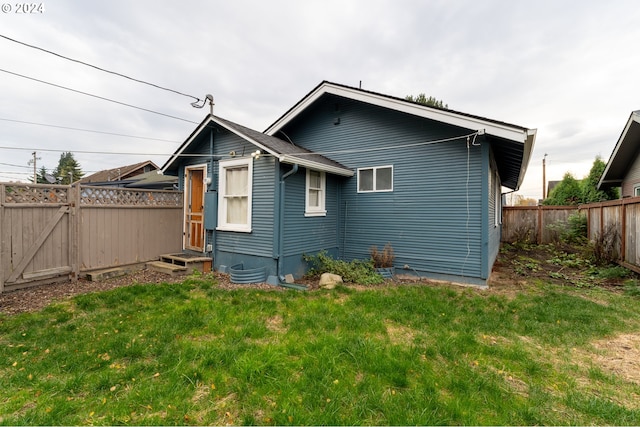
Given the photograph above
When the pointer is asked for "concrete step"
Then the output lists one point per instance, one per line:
(167, 268)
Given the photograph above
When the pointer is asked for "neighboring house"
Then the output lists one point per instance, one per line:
(153, 180)
(623, 167)
(344, 170)
(140, 175)
(551, 185)
(121, 173)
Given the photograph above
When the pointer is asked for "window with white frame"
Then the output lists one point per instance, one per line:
(375, 179)
(315, 193)
(234, 195)
(636, 190)
(497, 199)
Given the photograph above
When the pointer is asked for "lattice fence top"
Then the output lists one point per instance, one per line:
(89, 196)
(41, 194)
(106, 196)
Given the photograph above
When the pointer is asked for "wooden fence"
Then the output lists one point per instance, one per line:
(533, 223)
(616, 220)
(55, 232)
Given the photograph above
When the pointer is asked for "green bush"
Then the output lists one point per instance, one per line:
(577, 227)
(356, 271)
(573, 231)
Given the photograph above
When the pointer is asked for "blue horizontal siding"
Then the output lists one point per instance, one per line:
(433, 217)
(259, 243)
(309, 234)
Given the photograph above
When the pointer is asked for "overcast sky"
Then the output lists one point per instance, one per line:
(567, 68)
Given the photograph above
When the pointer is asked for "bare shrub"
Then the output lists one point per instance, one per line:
(384, 258)
(604, 246)
(523, 234)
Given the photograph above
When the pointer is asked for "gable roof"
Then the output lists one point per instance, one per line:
(286, 152)
(120, 173)
(624, 154)
(516, 142)
(152, 179)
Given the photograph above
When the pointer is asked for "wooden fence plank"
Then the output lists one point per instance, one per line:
(33, 249)
(105, 227)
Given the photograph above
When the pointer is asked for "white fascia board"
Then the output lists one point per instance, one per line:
(291, 159)
(247, 138)
(526, 155)
(634, 117)
(315, 166)
(185, 144)
(444, 116)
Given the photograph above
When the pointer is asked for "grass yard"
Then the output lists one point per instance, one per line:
(390, 355)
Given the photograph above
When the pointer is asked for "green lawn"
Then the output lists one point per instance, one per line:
(194, 354)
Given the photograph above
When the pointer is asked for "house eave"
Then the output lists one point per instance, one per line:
(501, 130)
(624, 151)
(176, 155)
(245, 137)
(529, 142)
(289, 159)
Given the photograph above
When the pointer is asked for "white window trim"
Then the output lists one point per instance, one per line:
(222, 205)
(375, 181)
(635, 190)
(315, 210)
(497, 200)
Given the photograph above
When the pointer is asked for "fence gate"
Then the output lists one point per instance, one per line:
(36, 234)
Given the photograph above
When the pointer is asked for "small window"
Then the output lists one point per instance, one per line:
(234, 195)
(636, 191)
(497, 199)
(375, 179)
(315, 194)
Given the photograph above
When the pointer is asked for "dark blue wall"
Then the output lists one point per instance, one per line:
(434, 217)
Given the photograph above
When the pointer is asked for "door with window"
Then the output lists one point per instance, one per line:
(194, 208)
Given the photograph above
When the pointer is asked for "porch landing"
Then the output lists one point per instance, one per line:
(181, 263)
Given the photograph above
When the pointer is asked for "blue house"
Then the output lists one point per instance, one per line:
(346, 169)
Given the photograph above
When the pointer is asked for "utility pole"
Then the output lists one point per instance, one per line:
(35, 169)
(544, 177)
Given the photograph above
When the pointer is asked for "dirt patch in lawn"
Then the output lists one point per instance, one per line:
(619, 355)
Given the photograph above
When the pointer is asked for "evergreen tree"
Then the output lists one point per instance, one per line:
(568, 192)
(68, 169)
(428, 101)
(590, 192)
(40, 176)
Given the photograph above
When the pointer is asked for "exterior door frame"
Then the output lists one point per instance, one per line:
(193, 219)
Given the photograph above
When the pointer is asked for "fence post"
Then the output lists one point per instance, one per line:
(540, 219)
(623, 232)
(74, 227)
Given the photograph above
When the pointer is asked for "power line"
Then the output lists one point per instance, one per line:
(301, 154)
(101, 69)
(97, 96)
(55, 150)
(86, 130)
(17, 166)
